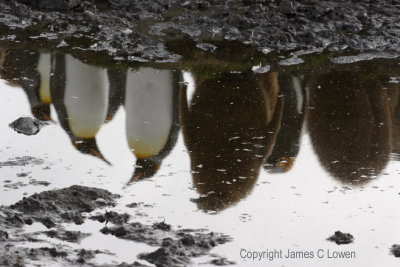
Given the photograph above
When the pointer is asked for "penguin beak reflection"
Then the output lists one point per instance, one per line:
(281, 165)
(88, 146)
(285, 163)
(144, 169)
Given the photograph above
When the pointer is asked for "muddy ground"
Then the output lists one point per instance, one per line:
(138, 29)
(69, 205)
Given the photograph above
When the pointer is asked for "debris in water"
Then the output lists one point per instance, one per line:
(395, 250)
(341, 238)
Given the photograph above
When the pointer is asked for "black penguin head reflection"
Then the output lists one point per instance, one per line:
(350, 125)
(229, 129)
(145, 168)
(88, 146)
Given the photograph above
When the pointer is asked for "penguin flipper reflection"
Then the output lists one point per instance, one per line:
(183, 107)
(274, 126)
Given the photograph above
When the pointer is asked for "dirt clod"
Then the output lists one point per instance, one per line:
(341, 238)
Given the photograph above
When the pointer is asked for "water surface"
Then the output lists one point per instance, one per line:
(278, 157)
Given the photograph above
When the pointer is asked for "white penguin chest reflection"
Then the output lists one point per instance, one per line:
(148, 103)
(85, 97)
(44, 69)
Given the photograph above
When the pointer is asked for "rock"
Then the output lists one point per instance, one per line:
(111, 216)
(27, 125)
(286, 7)
(101, 202)
(341, 238)
(207, 47)
(177, 247)
(395, 250)
(162, 226)
(3, 235)
(69, 236)
(221, 262)
(21, 161)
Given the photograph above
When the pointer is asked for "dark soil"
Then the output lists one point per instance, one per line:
(55, 208)
(395, 250)
(138, 30)
(21, 161)
(341, 238)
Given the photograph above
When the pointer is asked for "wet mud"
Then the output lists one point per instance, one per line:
(341, 238)
(224, 46)
(56, 207)
(176, 247)
(395, 250)
(22, 161)
(138, 29)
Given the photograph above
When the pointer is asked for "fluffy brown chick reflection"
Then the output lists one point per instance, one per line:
(229, 129)
(349, 121)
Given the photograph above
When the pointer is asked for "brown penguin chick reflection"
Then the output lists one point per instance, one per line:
(349, 122)
(229, 129)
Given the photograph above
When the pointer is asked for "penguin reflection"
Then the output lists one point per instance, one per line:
(229, 129)
(117, 78)
(2, 57)
(395, 108)
(80, 96)
(287, 144)
(152, 121)
(349, 121)
(31, 70)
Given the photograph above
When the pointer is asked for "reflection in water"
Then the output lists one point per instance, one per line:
(80, 96)
(117, 78)
(151, 117)
(229, 129)
(287, 143)
(350, 124)
(394, 90)
(31, 70)
(2, 57)
(233, 124)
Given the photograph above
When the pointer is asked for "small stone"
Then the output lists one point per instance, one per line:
(341, 238)
(101, 201)
(395, 250)
(26, 125)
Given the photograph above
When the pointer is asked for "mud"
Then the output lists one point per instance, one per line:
(177, 247)
(22, 161)
(69, 236)
(111, 216)
(395, 250)
(341, 238)
(138, 30)
(19, 184)
(52, 207)
(56, 207)
(27, 125)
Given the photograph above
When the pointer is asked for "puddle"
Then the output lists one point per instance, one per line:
(275, 154)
